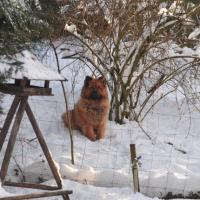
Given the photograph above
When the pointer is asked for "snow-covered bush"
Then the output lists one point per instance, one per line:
(139, 46)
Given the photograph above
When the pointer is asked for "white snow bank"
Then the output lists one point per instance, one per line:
(40, 170)
(32, 68)
(86, 192)
(89, 175)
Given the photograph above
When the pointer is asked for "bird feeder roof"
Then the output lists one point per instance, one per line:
(30, 68)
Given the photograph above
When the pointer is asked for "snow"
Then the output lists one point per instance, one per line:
(3, 193)
(101, 193)
(81, 191)
(72, 29)
(164, 12)
(102, 169)
(194, 34)
(32, 68)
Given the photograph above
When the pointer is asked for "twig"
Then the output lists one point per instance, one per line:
(153, 142)
(66, 103)
(180, 150)
(19, 168)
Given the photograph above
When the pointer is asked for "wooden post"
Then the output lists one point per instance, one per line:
(12, 139)
(30, 185)
(8, 120)
(134, 165)
(44, 146)
(46, 84)
(65, 197)
(39, 195)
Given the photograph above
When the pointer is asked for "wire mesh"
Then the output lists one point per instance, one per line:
(169, 160)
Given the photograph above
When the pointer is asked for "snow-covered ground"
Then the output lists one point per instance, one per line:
(87, 192)
(170, 160)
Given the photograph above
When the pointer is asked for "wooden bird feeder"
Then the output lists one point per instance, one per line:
(32, 69)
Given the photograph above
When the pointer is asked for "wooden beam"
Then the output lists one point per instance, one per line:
(46, 84)
(12, 139)
(44, 146)
(22, 82)
(39, 195)
(8, 120)
(17, 82)
(31, 185)
(25, 91)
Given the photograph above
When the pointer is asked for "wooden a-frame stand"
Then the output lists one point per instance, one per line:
(22, 91)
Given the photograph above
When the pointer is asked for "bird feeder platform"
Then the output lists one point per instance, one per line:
(22, 89)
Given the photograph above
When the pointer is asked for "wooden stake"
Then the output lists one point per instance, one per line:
(65, 197)
(134, 163)
(46, 84)
(8, 120)
(12, 139)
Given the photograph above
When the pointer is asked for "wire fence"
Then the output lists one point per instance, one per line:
(170, 160)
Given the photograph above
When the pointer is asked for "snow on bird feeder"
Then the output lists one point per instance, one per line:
(30, 69)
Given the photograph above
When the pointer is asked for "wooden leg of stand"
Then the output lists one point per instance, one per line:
(38, 195)
(44, 146)
(8, 120)
(65, 197)
(12, 139)
(30, 185)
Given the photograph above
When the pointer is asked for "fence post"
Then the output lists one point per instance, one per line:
(134, 166)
